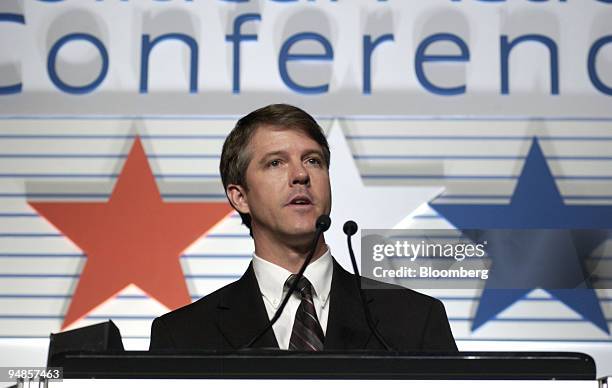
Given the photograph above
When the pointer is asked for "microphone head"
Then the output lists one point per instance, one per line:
(350, 227)
(323, 222)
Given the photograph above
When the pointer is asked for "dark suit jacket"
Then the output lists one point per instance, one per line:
(230, 317)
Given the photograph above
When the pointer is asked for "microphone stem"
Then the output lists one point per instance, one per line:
(366, 310)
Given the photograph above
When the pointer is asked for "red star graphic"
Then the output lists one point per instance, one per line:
(134, 238)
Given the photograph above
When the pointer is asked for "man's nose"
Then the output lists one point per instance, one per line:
(299, 175)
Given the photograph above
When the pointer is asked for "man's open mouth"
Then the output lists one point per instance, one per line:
(300, 201)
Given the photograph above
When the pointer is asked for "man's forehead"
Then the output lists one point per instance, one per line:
(269, 138)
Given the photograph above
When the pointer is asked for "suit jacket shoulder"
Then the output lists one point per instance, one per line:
(223, 320)
(170, 330)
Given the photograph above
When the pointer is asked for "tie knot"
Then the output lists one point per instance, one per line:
(304, 287)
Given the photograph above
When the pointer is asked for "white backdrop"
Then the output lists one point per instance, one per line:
(427, 110)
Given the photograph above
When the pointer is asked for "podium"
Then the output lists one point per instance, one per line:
(355, 365)
(94, 357)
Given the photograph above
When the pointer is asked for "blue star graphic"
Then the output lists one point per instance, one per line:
(561, 243)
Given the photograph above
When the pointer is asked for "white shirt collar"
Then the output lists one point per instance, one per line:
(271, 278)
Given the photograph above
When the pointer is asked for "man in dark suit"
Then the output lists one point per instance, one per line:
(275, 171)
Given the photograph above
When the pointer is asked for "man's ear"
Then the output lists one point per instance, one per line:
(237, 196)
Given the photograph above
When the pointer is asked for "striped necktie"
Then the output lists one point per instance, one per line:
(307, 333)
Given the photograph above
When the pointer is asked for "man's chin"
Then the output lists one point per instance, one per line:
(301, 227)
(304, 224)
(302, 233)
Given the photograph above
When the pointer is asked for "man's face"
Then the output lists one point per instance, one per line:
(288, 183)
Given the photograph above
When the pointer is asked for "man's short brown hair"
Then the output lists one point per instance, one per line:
(235, 156)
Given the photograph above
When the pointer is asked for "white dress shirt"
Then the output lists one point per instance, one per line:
(271, 279)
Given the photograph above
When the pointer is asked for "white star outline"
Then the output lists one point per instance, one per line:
(370, 206)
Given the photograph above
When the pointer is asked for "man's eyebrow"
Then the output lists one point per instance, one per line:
(313, 151)
(268, 155)
(264, 158)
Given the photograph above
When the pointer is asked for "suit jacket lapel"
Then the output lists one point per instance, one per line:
(242, 313)
(346, 326)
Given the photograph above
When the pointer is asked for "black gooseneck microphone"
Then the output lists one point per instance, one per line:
(350, 228)
(322, 224)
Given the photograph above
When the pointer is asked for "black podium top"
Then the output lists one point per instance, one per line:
(278, 364)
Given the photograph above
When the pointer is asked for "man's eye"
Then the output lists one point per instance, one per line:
(274, 163)
(315, 161)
